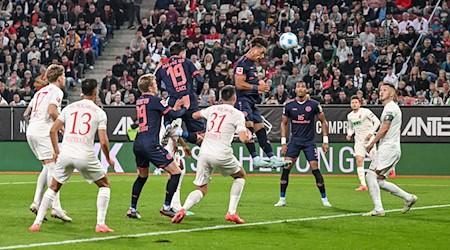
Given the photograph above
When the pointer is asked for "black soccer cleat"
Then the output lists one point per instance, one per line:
(169, 213)
(133, 215)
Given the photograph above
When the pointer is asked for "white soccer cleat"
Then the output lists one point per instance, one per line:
(157, 171)
(61, 215)
(375, 213)
(278, 162)
(260, 163)
(409, 204)
(171, 131)
(326, 204)
(280, 203)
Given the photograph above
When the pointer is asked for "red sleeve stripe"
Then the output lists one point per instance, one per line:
(167, 110)
(195, 73)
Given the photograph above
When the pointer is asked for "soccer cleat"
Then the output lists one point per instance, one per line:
(133, 215)
(362, 188)
(34, 228)
(34, 209)
(260, 163)
(392, 174)
(188, 213)
(179, 216)
(103, 229)
(278, 162)
(374, 213)
(280, 203)
(61, 215)
(171, 131)
(169, 213)
(234, 218)
(326, 204)
(409, 204)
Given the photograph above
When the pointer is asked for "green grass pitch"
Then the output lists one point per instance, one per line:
(418, 229)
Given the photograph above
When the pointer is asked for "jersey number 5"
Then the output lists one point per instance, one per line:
(213, 122)
(176, 72)
(87, 126)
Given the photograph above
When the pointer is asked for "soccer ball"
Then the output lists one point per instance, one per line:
(288, 41)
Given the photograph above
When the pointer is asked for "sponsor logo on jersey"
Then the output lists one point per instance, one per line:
(239, 70)
(308, 109)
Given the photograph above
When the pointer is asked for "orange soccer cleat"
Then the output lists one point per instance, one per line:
(179, 216)
(103, 229)
(362, 188)
(234, 218)
(34, 228)
(392, 174)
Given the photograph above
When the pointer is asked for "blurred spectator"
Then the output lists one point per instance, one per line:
(117, 100)
(17, 102)
(111, 94)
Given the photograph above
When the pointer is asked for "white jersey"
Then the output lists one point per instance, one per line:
(81, 119)
(223, 121)
(362, 123)
(40, 120)
(391, 140)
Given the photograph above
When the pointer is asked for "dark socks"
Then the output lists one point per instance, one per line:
(264, 142)
(137, 188)
(319, 182)
(171, 187)
(251, 145)
(284, 181)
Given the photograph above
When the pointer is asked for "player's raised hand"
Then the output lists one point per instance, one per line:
(283, 149)
(325, 147)
(348, 138)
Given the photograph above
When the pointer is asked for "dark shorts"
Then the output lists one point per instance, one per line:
(157, 155)
(309, 148)
(249, 109)
(192, 125)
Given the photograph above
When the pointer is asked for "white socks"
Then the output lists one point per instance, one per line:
(193, 198)
(362, 178)
(40, 185)
(235, 194)
(102, 204)
(47, 200)
(176, 203)
(374, 189)
(50, 169)
(394, 189)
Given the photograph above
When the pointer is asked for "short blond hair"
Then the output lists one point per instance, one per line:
(53, 72)
(145, 82)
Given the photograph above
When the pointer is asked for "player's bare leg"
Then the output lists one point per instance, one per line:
(284, 181)
(235, 196)
(47, 200)
(102, 205)
(319, 182)
(171, 187)
(361, 174)
(139, 183)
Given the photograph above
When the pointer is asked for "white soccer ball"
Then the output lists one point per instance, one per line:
(288, 41)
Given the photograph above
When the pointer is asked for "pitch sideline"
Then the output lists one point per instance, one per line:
(206, 228)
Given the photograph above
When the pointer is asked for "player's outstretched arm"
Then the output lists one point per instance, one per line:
(53, 111)
(323, 120)
(245, 136)
(375, 121)
(104, 143)
(54, 136)
(241, 84)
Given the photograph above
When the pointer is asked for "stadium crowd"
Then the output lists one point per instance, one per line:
(36, 33)
(345, 47)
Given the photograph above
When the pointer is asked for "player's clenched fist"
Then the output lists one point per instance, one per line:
(263, 87)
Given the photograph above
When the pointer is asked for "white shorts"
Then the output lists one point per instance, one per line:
(90, 169)
(206, 165)
(360, 150)
(385, 160)
(41, 146)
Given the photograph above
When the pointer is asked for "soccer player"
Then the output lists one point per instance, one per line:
(388, 154)
(178, 76)
(45, 107)
(302, 112)
(147, 147)
(216, 153)
(363, 123)
(82, 119)
(172, 148)
(248, 88)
